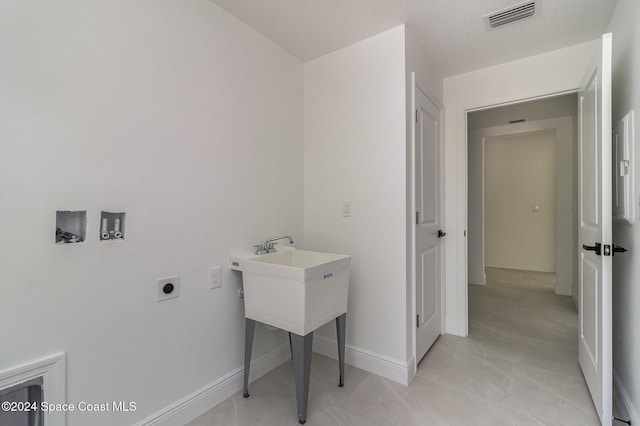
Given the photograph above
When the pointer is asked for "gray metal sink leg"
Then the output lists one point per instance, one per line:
(301, 350)
(249, 330)
(301, 347)
(341, 325)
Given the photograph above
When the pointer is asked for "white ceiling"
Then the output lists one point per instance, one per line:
(452, 31)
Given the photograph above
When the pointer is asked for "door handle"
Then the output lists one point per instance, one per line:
(597, 248)
(607, 249)
(618, 249)
(441, 233)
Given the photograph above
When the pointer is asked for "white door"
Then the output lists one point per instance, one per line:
(428, 238)
(595, 353)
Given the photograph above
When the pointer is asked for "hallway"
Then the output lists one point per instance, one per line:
(519, 325)
(517, 367)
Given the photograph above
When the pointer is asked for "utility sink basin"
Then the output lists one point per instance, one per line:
(296, 290)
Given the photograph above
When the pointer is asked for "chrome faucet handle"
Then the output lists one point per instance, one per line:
(271, 247)
(260, 249)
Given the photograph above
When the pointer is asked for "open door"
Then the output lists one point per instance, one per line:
(428, 225)
(596, 246)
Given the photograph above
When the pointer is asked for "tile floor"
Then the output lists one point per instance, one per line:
(517, 367)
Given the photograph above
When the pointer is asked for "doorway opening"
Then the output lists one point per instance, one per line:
(522, 231)
(522, 190)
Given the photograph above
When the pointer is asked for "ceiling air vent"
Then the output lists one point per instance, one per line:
(511, 14)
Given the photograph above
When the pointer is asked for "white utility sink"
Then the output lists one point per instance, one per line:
(295, 290)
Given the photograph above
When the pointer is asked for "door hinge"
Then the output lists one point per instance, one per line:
(416, 116)
(417, 218)
(417, 321)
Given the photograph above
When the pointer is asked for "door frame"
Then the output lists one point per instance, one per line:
(501, 84)
(417, 84)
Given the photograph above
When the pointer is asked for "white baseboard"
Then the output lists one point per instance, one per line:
(480, 279)
(411, 370)
(624, 402)
(374, 363)
(451, 327)
(205, 398)
(564, 291)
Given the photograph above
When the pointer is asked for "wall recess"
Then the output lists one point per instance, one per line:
(71, 226)
(112, 226)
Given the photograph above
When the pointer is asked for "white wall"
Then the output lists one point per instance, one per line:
(626, 267)
(520, 173)
(191, 123)
(475, 201)
(355, 150)
(553, 72)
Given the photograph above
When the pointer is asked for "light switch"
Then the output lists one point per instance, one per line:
(346, 209)
(215, 277)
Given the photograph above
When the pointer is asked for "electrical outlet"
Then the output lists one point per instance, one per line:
(168, 288)
(215, 277)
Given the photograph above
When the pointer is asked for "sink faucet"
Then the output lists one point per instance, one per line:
(269, 245)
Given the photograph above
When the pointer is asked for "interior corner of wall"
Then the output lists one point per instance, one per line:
(625, 404)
